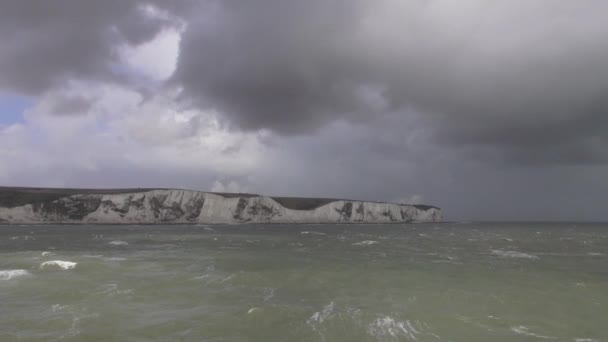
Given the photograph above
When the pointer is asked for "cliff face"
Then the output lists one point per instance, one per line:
(191, 207)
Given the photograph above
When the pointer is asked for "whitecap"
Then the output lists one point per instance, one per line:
(46, 253)
(388, 326)
(11, 274)
(312, 233)
(365, 243)
(525, 331)
(252, 310)
(585, 340)
(118, 243)
(513, 254)
(66, 265)
(595, 254)
(269, 293)
(320, 316)
(227, 278)
(58, 307)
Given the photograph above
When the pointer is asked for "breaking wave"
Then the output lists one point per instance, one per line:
(387, 326)
(525, 331)
(320, 316)
(513, 254)
(65, 265)
(312, 233)
(365, 243)
(118, 243)
(11, 274)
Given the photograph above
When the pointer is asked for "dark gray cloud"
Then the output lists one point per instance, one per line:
(273, 64)
(45, 43)
(527, 81)
(520, 77)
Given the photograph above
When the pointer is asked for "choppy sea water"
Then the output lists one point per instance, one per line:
(427, 282)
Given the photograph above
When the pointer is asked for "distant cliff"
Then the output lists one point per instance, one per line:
(172, 206)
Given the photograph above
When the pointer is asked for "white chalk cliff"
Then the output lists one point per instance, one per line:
(193, 207)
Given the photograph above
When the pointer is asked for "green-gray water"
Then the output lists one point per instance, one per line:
(428, 282)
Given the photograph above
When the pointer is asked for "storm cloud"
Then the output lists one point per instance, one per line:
(519, 74)
(50, 42)
(455, 103)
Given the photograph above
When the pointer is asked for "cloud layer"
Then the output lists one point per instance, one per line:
(457, 103)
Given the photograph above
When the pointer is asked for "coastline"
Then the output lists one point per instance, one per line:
(177, 206)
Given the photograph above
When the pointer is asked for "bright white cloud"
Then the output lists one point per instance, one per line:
(232, 187)
(155, 59)
(121, 128)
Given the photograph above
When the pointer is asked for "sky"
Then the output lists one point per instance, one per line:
(491, 110)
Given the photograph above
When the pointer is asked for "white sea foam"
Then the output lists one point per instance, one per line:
(320, 316)
(525, 331)
(365, 243)
(595, 254)
(585, 340)
(46, 253)
(268, 293)
(389, 327)
(227, 278)
(118, 243)
(58, 307)
(312, 233)
(513, 254)
(66, 265)
(11, 274)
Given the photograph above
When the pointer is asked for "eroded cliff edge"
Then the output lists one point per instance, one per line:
(173, 206)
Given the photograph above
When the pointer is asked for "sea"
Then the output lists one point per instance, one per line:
(458, 282)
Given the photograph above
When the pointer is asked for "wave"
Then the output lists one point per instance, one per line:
(525, 331)
(365, 243)
(387, 326)
(11, 274)
(111, 290)
(320, 316)
(268, 293)
(118, 243)
(66, 265)
(513, 254)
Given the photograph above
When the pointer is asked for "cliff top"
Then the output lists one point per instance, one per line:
(18, 196)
